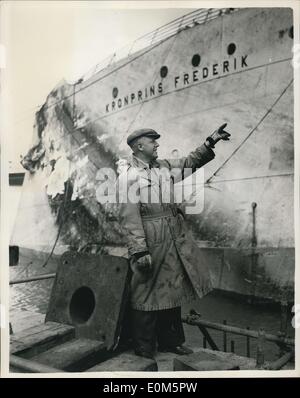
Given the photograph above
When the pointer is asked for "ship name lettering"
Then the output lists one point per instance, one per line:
(180, 80)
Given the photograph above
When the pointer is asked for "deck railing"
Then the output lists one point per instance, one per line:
(187, 21)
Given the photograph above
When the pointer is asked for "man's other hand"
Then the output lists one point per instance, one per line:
(144, 263)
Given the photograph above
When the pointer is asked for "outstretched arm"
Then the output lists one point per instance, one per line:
(200, 156)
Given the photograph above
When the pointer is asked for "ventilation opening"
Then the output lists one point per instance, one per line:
(82, 305)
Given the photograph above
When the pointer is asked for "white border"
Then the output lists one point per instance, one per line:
(4, 270)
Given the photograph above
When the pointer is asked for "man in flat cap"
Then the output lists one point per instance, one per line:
(167, 266)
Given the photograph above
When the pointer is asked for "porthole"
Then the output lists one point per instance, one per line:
(163, 71)
(196, 60)
(231, 48)
(115, 92)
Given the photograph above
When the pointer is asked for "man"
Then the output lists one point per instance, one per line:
(167, 266)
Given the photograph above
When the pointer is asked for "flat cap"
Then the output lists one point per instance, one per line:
(142, 133)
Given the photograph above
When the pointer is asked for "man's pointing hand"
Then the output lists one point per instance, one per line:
(217, 135)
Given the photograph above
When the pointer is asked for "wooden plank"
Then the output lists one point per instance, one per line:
(37, 339)
(180, 364)
(75, 355)
(23, 319)
(205, 360)
(126, 362)
(21, 365)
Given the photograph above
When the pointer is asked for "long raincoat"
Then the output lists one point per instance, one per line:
(179, 269)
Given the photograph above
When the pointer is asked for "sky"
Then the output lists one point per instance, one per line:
(46, 42)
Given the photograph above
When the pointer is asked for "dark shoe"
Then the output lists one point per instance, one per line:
(144, 354)
(179, 350)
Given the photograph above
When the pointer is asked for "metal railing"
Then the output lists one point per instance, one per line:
(187, 21)
(195, 320)
(285, 344)
(32, 279)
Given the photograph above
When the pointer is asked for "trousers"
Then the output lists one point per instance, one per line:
(163, 327)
